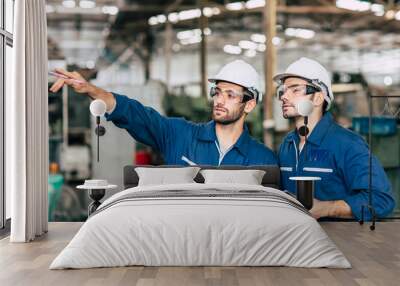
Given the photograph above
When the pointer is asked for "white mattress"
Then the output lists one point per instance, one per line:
(202, 231)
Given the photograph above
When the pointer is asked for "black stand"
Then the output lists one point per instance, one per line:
(303, 131)
(96, 195)
(305, 193)
(305, 190)
(100, 131)
(370, 206)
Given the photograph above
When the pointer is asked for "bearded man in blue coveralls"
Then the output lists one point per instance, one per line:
(337, 155)
(224, 140)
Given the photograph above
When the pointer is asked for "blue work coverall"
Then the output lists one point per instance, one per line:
(341, 158)
(182, 142)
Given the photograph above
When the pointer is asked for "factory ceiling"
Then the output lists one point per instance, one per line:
(100, 33)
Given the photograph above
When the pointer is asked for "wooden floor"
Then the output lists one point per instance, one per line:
(375, 257)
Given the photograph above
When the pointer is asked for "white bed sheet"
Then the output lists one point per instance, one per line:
(200, 232)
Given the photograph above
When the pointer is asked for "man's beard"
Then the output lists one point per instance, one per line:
(229, 119)
(288, 114)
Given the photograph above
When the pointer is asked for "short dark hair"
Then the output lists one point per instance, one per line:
(324, 106)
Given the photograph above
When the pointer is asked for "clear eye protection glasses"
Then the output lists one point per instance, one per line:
(230, 94)
(296, 90)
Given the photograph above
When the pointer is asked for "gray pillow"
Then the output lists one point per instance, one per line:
(249, 177)
(163, 176)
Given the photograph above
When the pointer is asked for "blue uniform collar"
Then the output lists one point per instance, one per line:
(208, 134)
(318, 133)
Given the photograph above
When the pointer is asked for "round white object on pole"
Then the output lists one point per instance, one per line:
(98, 107)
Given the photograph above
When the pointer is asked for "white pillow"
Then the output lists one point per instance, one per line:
(249, 177)
(163, 176)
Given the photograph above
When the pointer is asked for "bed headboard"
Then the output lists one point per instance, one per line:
(270, 179)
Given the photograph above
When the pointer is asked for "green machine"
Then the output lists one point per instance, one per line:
(55, 181)
(385, 146)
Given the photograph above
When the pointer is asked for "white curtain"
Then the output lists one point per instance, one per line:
(27, 123)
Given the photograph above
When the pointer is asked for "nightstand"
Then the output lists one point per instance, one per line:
(97, 190)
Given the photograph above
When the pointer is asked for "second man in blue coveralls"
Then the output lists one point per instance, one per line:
(224, 140)
(337, 155)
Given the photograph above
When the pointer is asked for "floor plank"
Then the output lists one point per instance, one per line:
(375, 257)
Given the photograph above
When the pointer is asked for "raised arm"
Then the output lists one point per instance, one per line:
(80, 85)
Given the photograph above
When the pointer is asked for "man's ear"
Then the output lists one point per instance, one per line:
(250, 105)
(318, 99)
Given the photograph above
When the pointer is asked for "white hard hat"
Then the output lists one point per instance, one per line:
(241, 73)
(312, 71)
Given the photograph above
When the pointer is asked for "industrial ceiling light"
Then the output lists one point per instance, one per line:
(248, 45)
(189, 14)
(191, 36)
(184, 35)
(173, 17)
(111, 10)
(208, 11)
(153, 21)
(300, 33)
(69, 3)
(211, 11)
(161, 18)
(216, 11)
(251, 4)
(87, 4)
(305, 34)
(193, 40)
(258, 38)
(291, 32)
(231, 49)
(235, 6)
(354, 5)
(390, 15)
(397, 16)
(388, 80)
(276, 41)
(378, 9)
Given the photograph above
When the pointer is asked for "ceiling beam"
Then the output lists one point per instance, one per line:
(176, 6)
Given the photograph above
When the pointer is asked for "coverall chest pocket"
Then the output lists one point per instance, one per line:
(319, 163)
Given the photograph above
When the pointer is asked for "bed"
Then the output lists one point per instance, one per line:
(201, 223)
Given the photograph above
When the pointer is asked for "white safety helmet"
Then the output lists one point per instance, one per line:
(311, 71)
(241, 73)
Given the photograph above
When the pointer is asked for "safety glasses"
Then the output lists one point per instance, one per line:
(296, 90)
(230, 94)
